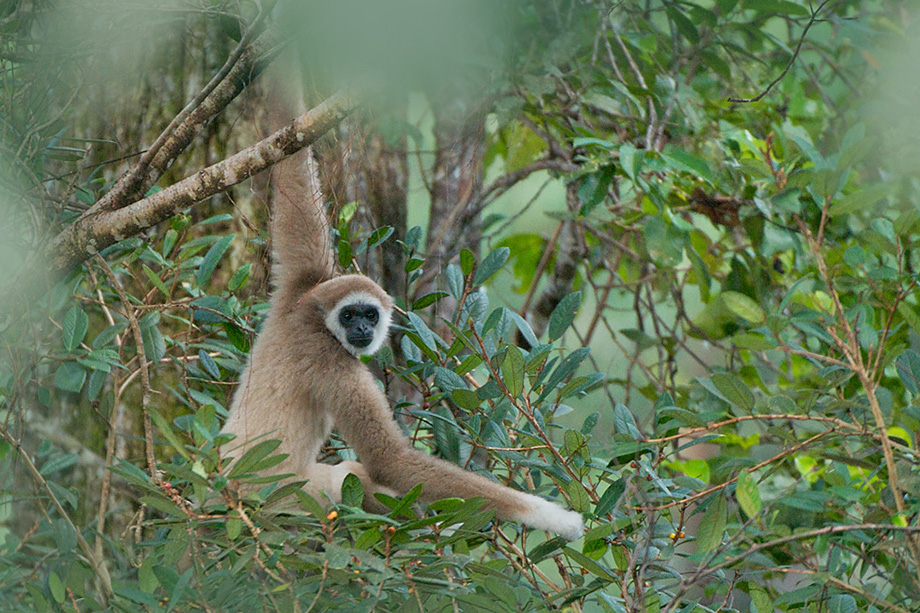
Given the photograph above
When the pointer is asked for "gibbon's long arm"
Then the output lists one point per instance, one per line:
(303, 255)
(362, 415)
(300, 229)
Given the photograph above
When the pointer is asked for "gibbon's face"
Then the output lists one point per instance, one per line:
(360, 322)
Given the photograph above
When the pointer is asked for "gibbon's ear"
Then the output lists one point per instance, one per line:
(378, 324)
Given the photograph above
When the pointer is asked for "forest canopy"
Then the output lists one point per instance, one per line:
(654, 261)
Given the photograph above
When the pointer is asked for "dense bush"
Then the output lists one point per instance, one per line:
(723, 378)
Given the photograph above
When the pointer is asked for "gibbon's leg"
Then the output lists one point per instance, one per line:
(362, 415)
(325, 484)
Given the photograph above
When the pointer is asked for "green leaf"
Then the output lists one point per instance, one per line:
(154, 343)
(563, 315)
(760, 599)
(234, 527)
(631, 160)
(748, 494)
(841, 603)
(169, 241)
(66, 495)
(74, 327)
(910, 316)
(57, 462)
(513, 371)
(448, 380)
(625, 423)
(524, 328)
(490, 265)
(157, 282)
(908, 367)
(239, 278)
(465, 399)
(428, 300)
(345, 253)
(610, 497)
(455, 281)
(255, 459)
(424, 332)
(594, 189)
(575, 442)
(545, 549)
(70, 377)
(57, 587)
(743, 307)
(65, 537)
(590, 565)
(860, 200)
(467, 262)
(352, 491)
(379, 235)
(166, 431)
(578, 496)
(585, 141)
(100, 359)
(712, 526)
(565, 368)
(208, 363)
(683, 24)
(164, 505)
(209, 263)
(687, 162)
(781, 7)
(734, 390)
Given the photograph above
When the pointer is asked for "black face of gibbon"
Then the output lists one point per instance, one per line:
(359, 321)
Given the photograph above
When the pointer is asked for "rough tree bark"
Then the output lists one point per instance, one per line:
(455, 221)
(569, 250)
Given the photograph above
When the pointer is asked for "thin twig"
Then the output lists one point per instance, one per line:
(795, 54)
(142, 362)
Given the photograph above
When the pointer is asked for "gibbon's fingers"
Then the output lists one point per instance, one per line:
(546, 515)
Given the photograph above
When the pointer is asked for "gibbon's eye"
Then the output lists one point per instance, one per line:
(370, 313)
(345, 316)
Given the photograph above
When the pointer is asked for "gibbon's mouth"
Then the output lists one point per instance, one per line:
(360, 340)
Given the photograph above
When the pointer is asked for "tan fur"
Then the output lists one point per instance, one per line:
(301, 381)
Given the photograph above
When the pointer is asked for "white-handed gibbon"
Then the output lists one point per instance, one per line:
(305, 378)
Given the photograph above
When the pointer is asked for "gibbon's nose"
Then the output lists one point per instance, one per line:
(361, 335)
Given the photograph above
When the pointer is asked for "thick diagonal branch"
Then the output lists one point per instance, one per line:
(96, 230)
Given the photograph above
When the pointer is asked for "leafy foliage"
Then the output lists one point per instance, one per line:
(726, 388)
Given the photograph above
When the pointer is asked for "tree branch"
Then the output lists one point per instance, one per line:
(97, 229)
(243, 65)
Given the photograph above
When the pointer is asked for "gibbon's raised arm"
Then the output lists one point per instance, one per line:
(303, 255)
(300, 229)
